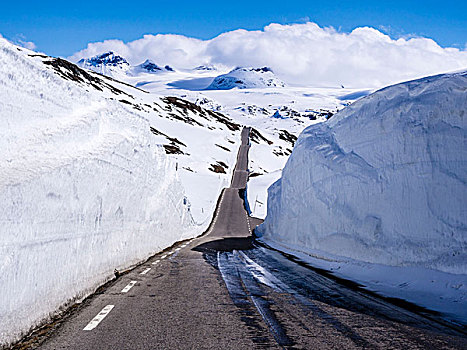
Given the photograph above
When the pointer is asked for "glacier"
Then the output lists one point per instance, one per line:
(382, 182)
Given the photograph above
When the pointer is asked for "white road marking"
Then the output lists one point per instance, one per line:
(99, 317)
(156, 262)
(129, 286)
(177, 249)
(145, 271)
(164, 256)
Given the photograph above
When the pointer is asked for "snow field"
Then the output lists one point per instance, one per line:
(251, 96)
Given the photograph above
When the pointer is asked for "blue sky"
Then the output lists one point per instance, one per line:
(61, 28)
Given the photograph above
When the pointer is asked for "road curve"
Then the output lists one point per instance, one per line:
(224, 291)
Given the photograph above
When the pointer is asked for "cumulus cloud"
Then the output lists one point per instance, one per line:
(298, 53)
(20, 40)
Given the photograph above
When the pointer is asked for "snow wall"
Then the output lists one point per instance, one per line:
(383, 181)
(83, 191)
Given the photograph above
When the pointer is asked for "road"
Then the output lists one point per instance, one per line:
(224, 291)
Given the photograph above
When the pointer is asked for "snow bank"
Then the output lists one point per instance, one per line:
(84, 190)
(378, 194)
(257, 193)
(383, 181)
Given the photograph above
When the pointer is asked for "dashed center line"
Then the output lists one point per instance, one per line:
(164, 256)
(156, 262)
(99, 317)
(129, 286)
(145, 271)
(177, 249)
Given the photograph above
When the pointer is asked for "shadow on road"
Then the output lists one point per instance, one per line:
(226, 245)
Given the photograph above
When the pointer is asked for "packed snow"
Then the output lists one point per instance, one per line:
(95, 175)
(380, 191)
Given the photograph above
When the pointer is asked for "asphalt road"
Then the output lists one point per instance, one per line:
(224, 291)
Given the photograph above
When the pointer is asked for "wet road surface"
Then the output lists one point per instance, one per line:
(224, 291)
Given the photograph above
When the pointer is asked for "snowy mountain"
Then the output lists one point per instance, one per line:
(384, 182)
(92, 165)
(149, 66)
(246, 78)
(107, 64)
(205, 67)
(113, 65)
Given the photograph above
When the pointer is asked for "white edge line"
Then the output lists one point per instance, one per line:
(99, 317)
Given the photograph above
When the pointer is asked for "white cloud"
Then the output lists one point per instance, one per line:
(20, 40)
(298, 53)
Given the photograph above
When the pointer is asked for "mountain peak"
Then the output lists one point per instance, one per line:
(106, 59)
(205, 67)
(151, 67)
(249, 69)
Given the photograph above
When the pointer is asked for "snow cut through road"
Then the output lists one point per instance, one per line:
(225, 283)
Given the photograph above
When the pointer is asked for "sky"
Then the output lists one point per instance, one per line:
(61, 28)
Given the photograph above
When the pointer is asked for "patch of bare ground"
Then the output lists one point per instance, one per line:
(287, 136)
(223, 147)
(174, 146)
(257, 137)
(183, 107)
(220, 167)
